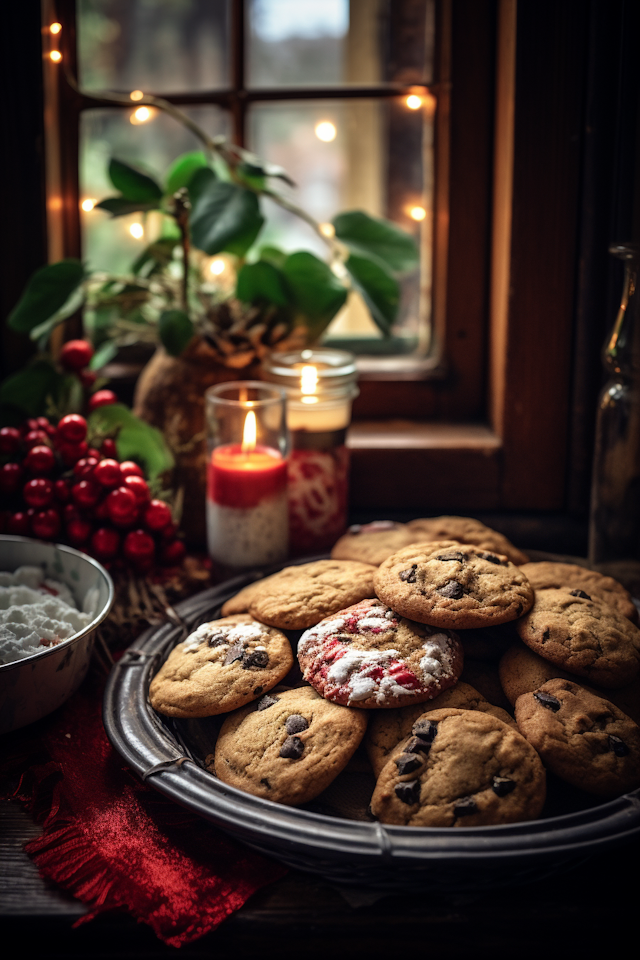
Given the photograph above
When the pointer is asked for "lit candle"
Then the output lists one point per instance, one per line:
(247, 513)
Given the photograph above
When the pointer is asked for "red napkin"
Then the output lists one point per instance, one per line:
(112, 841)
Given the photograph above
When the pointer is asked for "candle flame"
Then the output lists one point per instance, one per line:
(249, 433)
(308, 379)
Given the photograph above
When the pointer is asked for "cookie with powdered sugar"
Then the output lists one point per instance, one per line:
(369, 656)
(221, 666)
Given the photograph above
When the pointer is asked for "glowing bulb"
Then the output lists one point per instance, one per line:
(217, 267)
(55, 28)
(141, 115)
(137, 231)
(249, 433)
(136, 95)
(308, 379)
(325, 130)
(88, 204)
(327, 230)
(56, 56)
(417, 213)
(414, 102)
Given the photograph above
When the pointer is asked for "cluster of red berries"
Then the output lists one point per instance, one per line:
(59, 488)
(75, 357)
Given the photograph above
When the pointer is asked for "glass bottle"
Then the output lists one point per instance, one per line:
(614, 528)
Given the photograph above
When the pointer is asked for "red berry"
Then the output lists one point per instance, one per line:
(72, 452)
(70, 512)
(46, 524)
(30, 424)
(173, 553)
(76, 354)
(9, 440)
(62, 490)
(122, 506)
(38, 492)
(138, 547)
(19, 523)
(109, 449)
(45, 424)
(72, 428)
(40, 460)
(79, 530)
(83, 468)
(94, 452)
(157, 515)
(35, 438)
(169, 532)
(108, 473)
(105, 543)
(102, 398)
(10, 476)
(86, 493)
(87, 378)
(101, 511)
(131, 469)
(138, 487)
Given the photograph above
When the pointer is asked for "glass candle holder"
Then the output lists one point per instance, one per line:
(247, 512)
(321, 386)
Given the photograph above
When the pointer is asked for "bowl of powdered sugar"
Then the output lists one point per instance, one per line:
(52, 599)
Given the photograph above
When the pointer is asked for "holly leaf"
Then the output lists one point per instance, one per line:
(224, 217)
(120, 207)
(103, 355)
(377, 240)
(28, 389)
(316, 292)
(182, 170)
(261, 282)
(135, 439)
(379, 290)
(47, 291)
(176, 330)
(133, 184)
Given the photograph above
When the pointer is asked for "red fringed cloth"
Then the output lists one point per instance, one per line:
(114, 842)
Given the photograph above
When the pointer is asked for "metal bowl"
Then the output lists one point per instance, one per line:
(32, 687)
(170, 754)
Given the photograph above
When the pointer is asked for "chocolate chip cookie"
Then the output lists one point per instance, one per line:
(368, 656)
(465, 530)
(289, 746)
(582, 738)
(221, 666)
(582, 635)
(460, 768)
(388, 727)
(454, 585)
(298, 597)
(547, 574)
(372, 542)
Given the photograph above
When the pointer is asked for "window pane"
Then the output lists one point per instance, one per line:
(153, 145)
(371, 155)
(325, 42)
(158, 46)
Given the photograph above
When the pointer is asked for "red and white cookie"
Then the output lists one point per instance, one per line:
(369, 656)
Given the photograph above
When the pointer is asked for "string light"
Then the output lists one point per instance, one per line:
(136, 95)
(141, 115)
(413, 101)
(56, 56)
(55, 28)
(137, 231)
(88, 204)
(417, 213)
(217, 267)
(326, 131)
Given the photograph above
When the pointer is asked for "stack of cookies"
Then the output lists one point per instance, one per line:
(464, 670)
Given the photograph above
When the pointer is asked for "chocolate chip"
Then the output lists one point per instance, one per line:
(259, 658)
(217, 639)
(296, 724)
(618, 746)
(548, 700)
(292, 748)
(236, 652)
(465, 806)
(266, 701)
(409, 792)
(425, 729)
(258, 691)
(409, 576)
(417, 745)
(491, 557)
(266, 783)
(452, 556)
(407, 763)
(546, 635)
(452, 590)
(502, 786)
(580, 593)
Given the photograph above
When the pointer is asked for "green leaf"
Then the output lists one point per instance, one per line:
(133, 184)
(176, 330)
(135, 439)
(201, 181)
(103, 355)
(225, 217)
(252, 175)
(154, 258)
(377, 239)
(254, 166)
(29, 388)
(316, 291)
(120, 207)
(48, 289)
(379, 289)
(261, 282)
(182, 170)
(272, 255)
(42, 332)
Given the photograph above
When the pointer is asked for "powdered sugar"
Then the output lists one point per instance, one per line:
(241, 633)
